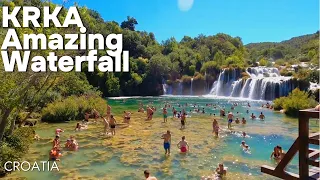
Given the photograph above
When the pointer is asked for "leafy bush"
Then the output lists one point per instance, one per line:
(263, 62)
(295, 101)
(209, 67)
(285, 72)
(279, 103)
(199, 77)
(186, 79)
(15, 146)
(192, 70)
(72, 108)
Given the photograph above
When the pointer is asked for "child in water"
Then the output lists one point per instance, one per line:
(182, 145)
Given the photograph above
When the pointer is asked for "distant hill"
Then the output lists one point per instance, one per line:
(302, 48)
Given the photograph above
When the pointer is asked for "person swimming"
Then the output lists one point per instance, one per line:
(73, 145)
(58, 131)
(244, 134)
(165, 115)
(275, 154)
(54, 154)
(147, 175)
(166, 142)
(220, 172)
(261, 116)
(183, 145)
(237, 121)
(244, 145)
(68, 143)
(244, 121)
(253, 116)
(80, 127)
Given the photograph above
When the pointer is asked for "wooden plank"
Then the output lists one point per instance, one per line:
(314, 153)
(313, 141)
(303, 144)
(314, 135)
(313, 162)
(311, 113)
(314, 173)
(280, 174)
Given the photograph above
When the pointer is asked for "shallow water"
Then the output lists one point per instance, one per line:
(139, 146)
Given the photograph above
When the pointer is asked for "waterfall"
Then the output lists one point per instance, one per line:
(191, 91)
(180, 88)
(264, 84)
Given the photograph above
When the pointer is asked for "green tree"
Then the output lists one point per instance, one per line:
(113, 85)
(130, 23)
(219, 58)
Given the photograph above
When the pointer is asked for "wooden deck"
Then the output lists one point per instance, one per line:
(307, 156)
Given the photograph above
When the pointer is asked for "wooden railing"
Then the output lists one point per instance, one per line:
(307, 156)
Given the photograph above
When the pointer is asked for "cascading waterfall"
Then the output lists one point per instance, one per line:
(180, 88)
(264, 84)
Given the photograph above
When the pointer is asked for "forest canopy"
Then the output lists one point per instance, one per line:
(152, 62)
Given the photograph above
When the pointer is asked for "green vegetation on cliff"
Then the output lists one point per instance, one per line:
(295, 50)
(295, 101)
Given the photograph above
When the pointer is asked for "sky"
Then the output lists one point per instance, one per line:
(252, 20)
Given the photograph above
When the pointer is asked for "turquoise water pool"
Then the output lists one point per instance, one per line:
(139, 146)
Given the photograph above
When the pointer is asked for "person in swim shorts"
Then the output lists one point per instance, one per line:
(182, 145)
(112, 123)
(165, 115)
(126, 116)
(166, 142)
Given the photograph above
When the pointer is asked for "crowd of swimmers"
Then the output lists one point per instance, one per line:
(110, 124)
